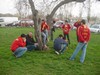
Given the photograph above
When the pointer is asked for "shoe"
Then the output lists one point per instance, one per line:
(57, 52)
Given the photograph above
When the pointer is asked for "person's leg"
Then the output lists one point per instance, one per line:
(82, 58)
(65, 36)
(79, 46)
(68, 38)
(51, 35)
(30, 47)
(43, 38)
(20, 51)
(63, 48)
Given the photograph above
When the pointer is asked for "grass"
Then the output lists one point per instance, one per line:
(47, 62)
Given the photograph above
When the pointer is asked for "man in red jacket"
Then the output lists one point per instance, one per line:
(18, 46)
(44, 32)
(83, 33)
(66, 28)
(77, 24)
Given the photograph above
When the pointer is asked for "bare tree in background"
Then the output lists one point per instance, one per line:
(23, 8)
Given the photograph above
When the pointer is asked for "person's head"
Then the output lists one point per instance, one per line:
(66, 21)
(30, 34)
(23, 36)
(43, 20)
(83, 22)
(60, 36)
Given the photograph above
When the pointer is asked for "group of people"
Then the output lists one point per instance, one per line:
(26, 42)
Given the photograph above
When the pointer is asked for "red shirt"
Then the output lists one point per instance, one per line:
(83, 33)
(66, 28)
(19, 42)
(44, 26)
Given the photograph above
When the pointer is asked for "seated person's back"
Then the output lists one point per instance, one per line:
(58, 43)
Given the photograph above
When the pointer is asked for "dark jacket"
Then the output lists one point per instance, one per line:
(29, 40)
(58, 43)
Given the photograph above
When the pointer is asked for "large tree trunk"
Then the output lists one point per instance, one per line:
(36, 24)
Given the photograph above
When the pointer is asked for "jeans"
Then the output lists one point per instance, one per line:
(31, 47)
(67, 37)
(80, 46)
(44, 36)
(46, 32)
(20, 51)
(63, 48)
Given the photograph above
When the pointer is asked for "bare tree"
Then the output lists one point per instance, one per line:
(49, 17)
(23, 8)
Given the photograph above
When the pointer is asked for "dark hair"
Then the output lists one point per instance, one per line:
(83, 21)
(60, 35)
(43, 20)
(66, 21)
(23, 35)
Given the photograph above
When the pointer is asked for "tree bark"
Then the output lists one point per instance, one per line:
(36, 24)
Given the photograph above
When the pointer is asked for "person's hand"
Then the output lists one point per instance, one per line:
(85, 42)
(35, 44)
(24, 39)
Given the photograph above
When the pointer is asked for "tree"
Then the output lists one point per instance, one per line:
(48, 17)
(23, 8)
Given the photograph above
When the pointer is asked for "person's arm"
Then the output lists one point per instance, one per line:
(21, 42)
(88, 38)
(79, 32)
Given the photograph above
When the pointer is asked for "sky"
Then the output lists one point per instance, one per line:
(8, 6)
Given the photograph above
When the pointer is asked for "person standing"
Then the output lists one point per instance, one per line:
(83, 34)
(44, 32)
(52, 30)
(66, 29)
(77, 24)
(18, 46)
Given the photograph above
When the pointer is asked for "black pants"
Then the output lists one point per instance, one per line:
(67, 37)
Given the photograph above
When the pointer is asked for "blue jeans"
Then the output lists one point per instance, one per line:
(44, 36)
(46, 32)
(80, 46)
(20, 51)
(31, 47)
(63, 48)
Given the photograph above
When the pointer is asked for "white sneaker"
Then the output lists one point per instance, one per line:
(57, 52)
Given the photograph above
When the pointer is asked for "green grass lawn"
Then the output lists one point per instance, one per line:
(47, 62)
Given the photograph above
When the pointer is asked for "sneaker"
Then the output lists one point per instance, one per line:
(57, 52)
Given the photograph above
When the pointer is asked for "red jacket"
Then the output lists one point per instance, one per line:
(83, 33)
(44, 26)
(19, 42)
(77, 24)
(66, 28)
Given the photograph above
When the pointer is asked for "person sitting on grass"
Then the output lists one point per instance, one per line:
(60, 45)
(30, 42)
(18, 46)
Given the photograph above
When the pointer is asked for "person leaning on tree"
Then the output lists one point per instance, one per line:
(31, 44)
(44, 33)
(83, 34)
(18, 46)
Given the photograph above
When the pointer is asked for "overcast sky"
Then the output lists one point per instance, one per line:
(8, 6)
